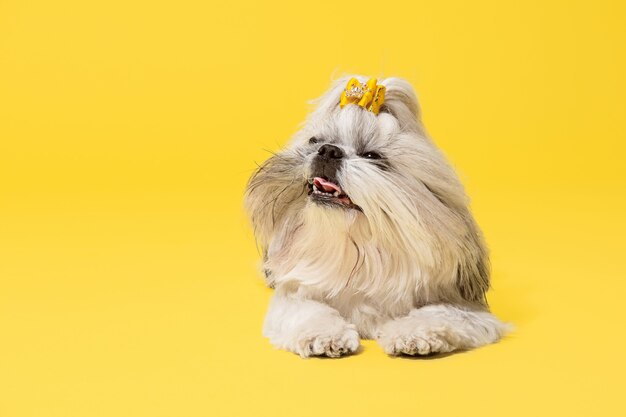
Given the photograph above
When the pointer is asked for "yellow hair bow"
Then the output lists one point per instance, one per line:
(369, 95)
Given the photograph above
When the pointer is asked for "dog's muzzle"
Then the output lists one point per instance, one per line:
(324, 187)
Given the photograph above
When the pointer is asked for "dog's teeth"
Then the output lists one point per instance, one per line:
(336, 193)
(315, 188)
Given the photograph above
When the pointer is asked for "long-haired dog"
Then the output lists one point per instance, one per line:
(365, 232)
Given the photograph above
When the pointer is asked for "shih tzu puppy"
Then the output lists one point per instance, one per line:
(366, 233)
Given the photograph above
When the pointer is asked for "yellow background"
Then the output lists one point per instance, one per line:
(128, 280)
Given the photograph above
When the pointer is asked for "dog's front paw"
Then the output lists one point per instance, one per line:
(417, 343)
(331, 344)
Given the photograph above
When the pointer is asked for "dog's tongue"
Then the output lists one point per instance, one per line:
(327, 186)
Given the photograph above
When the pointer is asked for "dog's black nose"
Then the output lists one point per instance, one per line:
(330, 152)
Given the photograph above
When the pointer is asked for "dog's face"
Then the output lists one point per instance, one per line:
(348, 157)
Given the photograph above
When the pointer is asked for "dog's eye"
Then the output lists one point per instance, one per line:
(371, 155)
(313, 140)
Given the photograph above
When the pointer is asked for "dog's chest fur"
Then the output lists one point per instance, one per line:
(338, 262)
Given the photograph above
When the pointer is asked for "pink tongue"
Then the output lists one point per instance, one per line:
(327, 186)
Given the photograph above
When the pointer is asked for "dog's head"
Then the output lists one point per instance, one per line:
(351, 153)
(353, 160)
(348, 167)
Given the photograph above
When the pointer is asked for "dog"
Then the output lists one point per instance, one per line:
(366, 232)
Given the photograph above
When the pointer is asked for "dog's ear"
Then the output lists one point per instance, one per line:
(401, 101)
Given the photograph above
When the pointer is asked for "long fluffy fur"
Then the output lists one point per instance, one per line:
(411, 269)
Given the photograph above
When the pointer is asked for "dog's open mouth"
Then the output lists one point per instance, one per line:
(326, 192)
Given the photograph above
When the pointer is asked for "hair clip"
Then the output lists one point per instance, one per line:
(367, 95)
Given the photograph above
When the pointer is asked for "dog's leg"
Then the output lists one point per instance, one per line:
(439, 328)
(308, 327)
